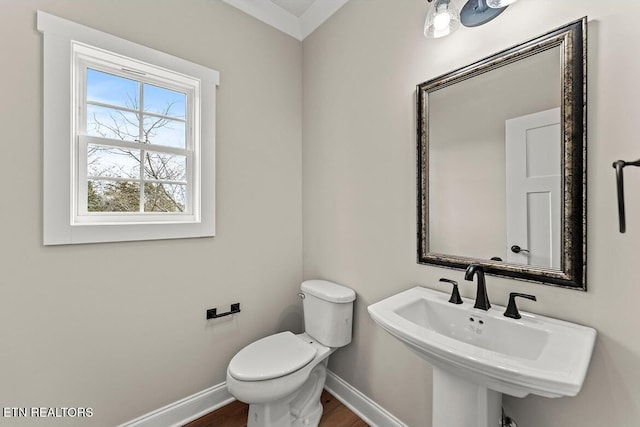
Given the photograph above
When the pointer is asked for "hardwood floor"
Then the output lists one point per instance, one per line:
(334, 414)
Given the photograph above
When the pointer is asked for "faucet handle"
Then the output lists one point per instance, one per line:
(455, 294)
(512, 309)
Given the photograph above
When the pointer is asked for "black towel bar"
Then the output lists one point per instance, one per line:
(618, 165)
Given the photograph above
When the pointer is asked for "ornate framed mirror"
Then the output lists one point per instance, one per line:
(502, 162)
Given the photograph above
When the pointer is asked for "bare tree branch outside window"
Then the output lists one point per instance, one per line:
(163, 174)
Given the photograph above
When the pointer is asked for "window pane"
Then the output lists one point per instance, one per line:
(110, 162)
(112, 123)
(170, 133)
(164, 101)
(164, 197)
(170, 167)
(113, 196)
(110, 89)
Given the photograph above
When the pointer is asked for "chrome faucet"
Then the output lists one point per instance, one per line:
(482, 299)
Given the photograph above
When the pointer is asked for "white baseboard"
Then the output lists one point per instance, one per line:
(192, 407)
(185, 410)
(368, 410)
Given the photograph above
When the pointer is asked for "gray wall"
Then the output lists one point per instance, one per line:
(121, 327)
(359, 197)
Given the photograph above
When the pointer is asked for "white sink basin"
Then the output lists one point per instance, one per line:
(534, 354)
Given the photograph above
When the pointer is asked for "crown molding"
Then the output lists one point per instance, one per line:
(298, 28)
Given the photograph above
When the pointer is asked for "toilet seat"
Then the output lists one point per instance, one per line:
(271, 357)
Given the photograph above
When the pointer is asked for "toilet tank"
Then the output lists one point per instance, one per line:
(328, 312)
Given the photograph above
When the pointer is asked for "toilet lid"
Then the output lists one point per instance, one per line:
(271, 357)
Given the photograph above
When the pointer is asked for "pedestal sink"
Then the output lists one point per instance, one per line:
(479, 355)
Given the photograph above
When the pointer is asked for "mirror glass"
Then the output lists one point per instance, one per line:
(468, 139)
(501, 147)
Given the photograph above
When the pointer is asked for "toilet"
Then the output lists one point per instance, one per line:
(281, 376)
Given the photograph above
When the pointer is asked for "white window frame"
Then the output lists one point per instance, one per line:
(68, 48)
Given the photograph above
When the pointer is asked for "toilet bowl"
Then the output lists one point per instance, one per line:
(281, 376)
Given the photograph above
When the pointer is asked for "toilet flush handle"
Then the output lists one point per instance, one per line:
(301, 295)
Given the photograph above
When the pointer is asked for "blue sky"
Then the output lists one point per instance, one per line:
(122, 92)
(116, 90)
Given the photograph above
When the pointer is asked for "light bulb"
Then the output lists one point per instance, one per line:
(497, 4)
(441, 21)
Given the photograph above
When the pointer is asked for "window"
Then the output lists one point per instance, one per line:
(137, 150)
(137, 160)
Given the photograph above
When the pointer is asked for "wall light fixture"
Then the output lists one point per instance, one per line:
(443, 17)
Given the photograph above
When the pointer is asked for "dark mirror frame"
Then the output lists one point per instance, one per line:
(572, 40)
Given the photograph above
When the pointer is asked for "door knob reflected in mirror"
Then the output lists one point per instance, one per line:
(517, 249)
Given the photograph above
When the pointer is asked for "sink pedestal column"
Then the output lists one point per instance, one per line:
(461, 403)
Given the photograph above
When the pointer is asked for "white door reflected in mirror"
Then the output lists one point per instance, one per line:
(534, 188)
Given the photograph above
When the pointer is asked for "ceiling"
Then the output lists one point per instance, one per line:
(298, 18)
(296, 7)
